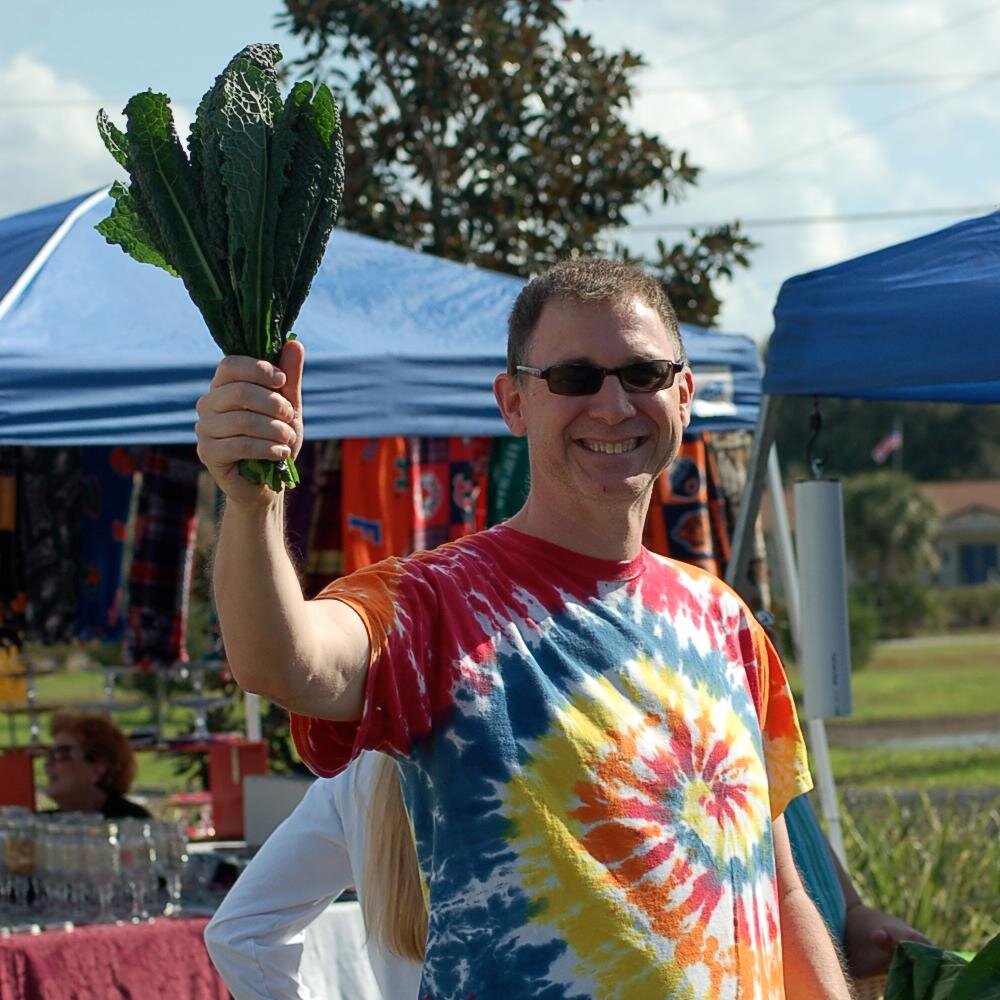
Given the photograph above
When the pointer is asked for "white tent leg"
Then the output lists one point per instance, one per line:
(764, 465)
(251, 709)
(746, 517)
(823, 773)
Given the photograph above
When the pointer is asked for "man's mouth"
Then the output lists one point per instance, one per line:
(610, 447)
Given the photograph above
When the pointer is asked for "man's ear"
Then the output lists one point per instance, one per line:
(509, 398)
(685, 394)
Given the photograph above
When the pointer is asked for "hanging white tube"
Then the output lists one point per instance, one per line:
(826, 648)
(251, 709)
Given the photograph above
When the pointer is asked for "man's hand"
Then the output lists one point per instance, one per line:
(252, 409)
(870, 938)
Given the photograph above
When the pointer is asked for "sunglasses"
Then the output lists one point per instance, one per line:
(586, 380)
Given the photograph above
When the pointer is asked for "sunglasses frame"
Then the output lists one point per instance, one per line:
(673, 370)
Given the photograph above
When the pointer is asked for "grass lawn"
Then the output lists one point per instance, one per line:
(922, 679)
(927, 678)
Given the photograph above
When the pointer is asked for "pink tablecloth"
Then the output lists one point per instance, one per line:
(161, 958)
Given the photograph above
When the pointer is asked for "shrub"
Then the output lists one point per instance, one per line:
(932, 865)
(968, 607)
(903, 605)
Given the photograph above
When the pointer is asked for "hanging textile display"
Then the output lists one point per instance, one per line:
(509, 478)
(377, 515)
(48, 528)
(12, 592)
(324, 547)
(107, 476)
(687, 519)
(160, 574)
(300, 502)
(448, 479)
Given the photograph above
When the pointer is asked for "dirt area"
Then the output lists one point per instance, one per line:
(848, 733)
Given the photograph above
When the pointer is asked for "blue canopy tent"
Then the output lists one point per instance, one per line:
(915, 321)
(98, 350)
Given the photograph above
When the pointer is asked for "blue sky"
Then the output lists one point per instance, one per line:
(817, 111)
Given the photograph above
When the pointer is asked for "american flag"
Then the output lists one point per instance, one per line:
(890, 443)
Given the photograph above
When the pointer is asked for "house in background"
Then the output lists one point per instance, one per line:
(968, 539)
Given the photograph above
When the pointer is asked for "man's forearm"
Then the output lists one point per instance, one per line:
(266, 630)
(812, 967)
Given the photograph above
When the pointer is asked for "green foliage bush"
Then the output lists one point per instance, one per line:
(902, 605)
(967, 607)
(865, 625)
(934, 865)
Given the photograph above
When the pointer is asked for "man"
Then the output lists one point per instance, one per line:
(592, 740)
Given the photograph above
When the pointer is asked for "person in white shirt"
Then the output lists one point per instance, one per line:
(351, 830)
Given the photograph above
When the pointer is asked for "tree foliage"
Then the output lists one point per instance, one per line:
(941, 441)
(889, 526)
(491, 131)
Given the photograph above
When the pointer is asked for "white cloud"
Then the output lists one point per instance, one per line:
(48, 134)
(51, 146)
(807, 147)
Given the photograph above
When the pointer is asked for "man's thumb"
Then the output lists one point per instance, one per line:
(291, 361)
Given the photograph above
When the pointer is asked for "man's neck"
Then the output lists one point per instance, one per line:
(601, 531)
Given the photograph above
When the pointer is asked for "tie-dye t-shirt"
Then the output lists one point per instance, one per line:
(591, 753)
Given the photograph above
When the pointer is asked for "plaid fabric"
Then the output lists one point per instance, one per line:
(324, 548)
(160, 576)
(48, 525)
(448, 479)
(106, 495)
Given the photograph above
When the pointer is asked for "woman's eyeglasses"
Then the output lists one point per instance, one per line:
(61, 752)
(586, 380)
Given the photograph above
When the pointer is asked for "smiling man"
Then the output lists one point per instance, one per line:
(595, 743)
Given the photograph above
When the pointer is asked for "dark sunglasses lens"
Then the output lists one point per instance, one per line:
(574, 380)
(647, 376)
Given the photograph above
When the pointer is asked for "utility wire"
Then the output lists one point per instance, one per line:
(830, 74)
(852, 133)
(960, 211)
(786, 85)
(761, 29)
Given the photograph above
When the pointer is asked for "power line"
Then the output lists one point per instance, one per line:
(829, 74)
(849, 134)
(785, 85)
(761, 29)
(807, 220)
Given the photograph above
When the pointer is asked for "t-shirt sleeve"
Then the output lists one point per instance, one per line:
(398, 606)
(784, 749)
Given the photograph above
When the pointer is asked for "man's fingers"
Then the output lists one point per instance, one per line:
(229, 451)
(245, 396)
(237, 368)
(241, 423)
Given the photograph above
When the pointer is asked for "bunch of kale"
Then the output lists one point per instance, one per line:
(243, 216)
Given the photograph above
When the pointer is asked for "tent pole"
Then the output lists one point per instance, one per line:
(746, 518)
(816, 728)
(251, 710)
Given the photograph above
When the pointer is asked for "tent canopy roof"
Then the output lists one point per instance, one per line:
(98, 350)
(915, 321)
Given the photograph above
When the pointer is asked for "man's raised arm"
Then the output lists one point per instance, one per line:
(309, 656)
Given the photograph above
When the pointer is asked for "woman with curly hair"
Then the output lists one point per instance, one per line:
(90, 766)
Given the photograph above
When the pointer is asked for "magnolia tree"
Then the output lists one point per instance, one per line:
(491, 131)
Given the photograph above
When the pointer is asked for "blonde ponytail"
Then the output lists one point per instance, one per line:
(393, 903)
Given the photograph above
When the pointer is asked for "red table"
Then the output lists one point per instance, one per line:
(148, 961)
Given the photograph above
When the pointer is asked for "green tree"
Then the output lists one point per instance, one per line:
(491, 131)
(941, 441)
(889, 526)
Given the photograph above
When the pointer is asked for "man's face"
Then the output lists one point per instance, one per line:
(612, 445)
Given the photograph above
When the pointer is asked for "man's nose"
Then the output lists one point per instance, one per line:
(611, 403)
